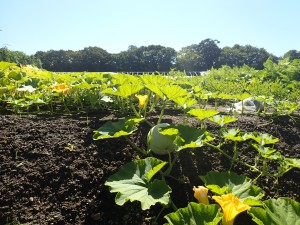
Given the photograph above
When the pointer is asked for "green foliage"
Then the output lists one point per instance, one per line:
(222, 120)
(284, 70)
(124, 91)
(202, 114)
(173, 92)
(18, 58)
(286, 164)
(110, 129)
(195, 214)
(232, 134)
(24, 88)
(281, 211)
(199, 57)
(134, 182)
(190, 137)
(177, 137)
(243, 55)
(261, 138)
(229, 182)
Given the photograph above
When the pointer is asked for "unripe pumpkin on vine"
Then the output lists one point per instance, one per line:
(158, 143)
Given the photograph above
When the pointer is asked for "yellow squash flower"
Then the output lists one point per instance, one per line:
(200, 193)
(142, 100)
(231, 207)
(61, 88)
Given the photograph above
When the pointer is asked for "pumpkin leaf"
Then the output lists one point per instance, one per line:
(122, 127)
(222, 120)
(195, 213)
(133, 182)
(229, 182)
(231, 134)
(281, 211)
(125, 90)
(202, 114)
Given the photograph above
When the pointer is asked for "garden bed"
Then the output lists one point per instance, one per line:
(53, 172)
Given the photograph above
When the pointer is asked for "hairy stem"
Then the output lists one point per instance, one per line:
(143, 151)
(230, 158)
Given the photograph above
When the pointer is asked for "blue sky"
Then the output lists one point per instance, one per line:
(33, 25)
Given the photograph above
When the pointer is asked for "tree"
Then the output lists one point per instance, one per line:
(199, 57)
(145, 58)
(54, 60)
(188, 59)
(18, 57)
(130, 60)
(292, 54)
(158, 58)
(94, 59)
(88, 59)
(239, 55)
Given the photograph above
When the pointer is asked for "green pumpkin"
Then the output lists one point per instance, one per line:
(158, 143)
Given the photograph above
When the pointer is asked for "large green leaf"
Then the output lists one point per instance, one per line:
(185, 101)
(267, 152)
(281, 211)
(191, 137)
(222, 120)
(155, 89)
(224, 96)
(262, 138)
(202, 114)
(286, 164)
(230, 182)
(15, 75)
(122, 127)
(83, 85)
(242, 96)
(155, 83)
(185, 136)
(195, 214)
(133, 182)
(125, 90)
(231, 134)
(292, 162)
(121, 79)
(172, 92)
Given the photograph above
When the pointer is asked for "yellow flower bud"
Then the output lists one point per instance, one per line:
(200, 193)
(142, 100)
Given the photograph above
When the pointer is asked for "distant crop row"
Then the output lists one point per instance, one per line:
(25, 89)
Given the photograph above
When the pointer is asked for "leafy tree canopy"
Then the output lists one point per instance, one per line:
(196, 57)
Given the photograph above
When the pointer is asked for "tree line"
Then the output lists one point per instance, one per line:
(196, 57)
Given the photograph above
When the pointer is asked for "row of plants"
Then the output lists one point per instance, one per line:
(27, 89)
(146, 179)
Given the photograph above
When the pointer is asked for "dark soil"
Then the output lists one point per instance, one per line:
(53, 172)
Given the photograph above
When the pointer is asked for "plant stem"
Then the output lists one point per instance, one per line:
(234, 154)
(158, 215)
(134, 110)
(171, 164)
(173, 205)
(230, 158)
(255, 179)
(162, 112)
(138, 114)
(143, 151)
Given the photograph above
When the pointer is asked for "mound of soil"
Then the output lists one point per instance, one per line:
(53, 172)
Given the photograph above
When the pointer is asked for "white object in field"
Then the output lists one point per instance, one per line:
(158, 143)
(249, 104)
